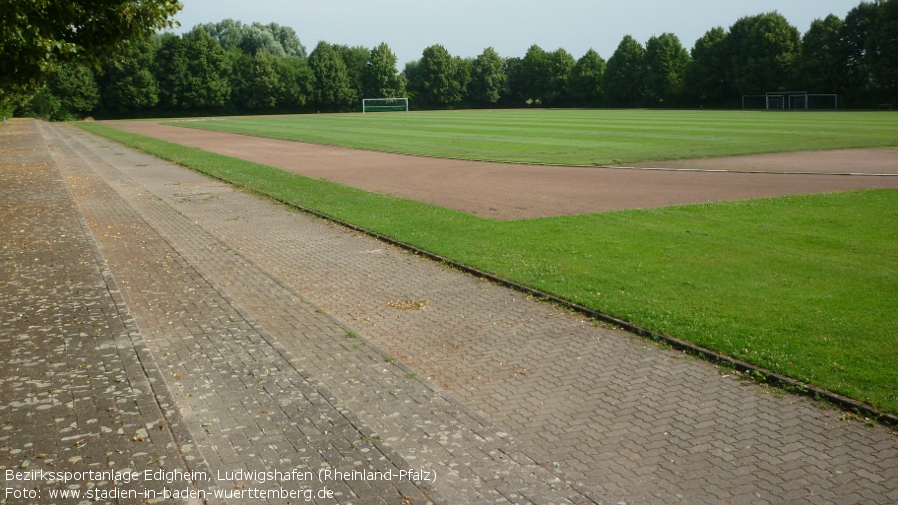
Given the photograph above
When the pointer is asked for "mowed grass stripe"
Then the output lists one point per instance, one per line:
(806, 286)
(413, 124)
(576, 137)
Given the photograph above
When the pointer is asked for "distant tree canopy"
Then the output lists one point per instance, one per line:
(440, 79)
(707, 74)
(333, 87)
(764, 51)
(379, 76)
(256, 38)
(664, 69)
(488, 80)
(623, 83)
(230, 67)
(586, 80)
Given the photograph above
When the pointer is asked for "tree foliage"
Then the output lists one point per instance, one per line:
(333, 90)
(255, 38)
(71, 93)
(512, 94)
(170, 70)
(561, 65)
(380, 77)
(131, 86)
(255, 81)
(586, 80)
(764, 51)
(356, 60)
(487, 78)
(856, 30)
(206, 84)
(664, 67)
(439, 79)
(881, 49)
(824, 57)
(37, 36)
(298, 83)
(706, 75)
(623, 81)
(232, 67)
(533, 76)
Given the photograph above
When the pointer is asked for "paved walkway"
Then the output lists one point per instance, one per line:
(78, 388)
(280, 342)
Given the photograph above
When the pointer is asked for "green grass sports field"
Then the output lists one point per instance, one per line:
(806, 286)
(576, 137)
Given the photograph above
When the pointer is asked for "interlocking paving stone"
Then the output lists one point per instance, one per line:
(425, 430)
(613, 414)
(244, 404)
(77, 391)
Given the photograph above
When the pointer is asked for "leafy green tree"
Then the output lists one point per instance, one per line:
(462, 76)
(333, 89)
(356, 60)
(513, 94)
(706, 74)
(824, 57)
(228, 32)
(623, 80)
(12, 102)
(207, 83)
(288, 39)
(534, 78)
(664, 68)
(131, 87)
(255, 38)
(882, 50)
(487, 78)
(765, 51)
(37, 36)
(255, 81)
(380, 78)
(411, 72)
(170, 71)
(298, 82)
(71, 93)
(856, 29)
(437, 77)
(586, 80)
(560, 66)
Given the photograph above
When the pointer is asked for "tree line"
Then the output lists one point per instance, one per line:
(234, 68)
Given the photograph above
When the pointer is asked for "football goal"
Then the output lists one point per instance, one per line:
(792, 100)
(384, 105)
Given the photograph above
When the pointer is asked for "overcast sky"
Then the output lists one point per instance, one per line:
(466, 27)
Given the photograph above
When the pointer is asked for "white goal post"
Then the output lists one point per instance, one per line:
(384, 105)
(793, 100)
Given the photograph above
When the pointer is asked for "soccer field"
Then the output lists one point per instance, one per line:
(573, 136)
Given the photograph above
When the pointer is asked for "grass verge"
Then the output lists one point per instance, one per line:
(804, 286)
(574, 136)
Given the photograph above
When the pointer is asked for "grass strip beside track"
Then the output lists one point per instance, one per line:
(574, 136)
(804, 286)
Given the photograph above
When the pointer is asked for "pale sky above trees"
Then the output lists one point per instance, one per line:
(466, 27)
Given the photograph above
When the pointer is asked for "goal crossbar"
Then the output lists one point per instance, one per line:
(791, 100)
(384, 104)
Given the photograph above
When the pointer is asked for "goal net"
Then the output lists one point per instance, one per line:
(792, 100)
(384, 105)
